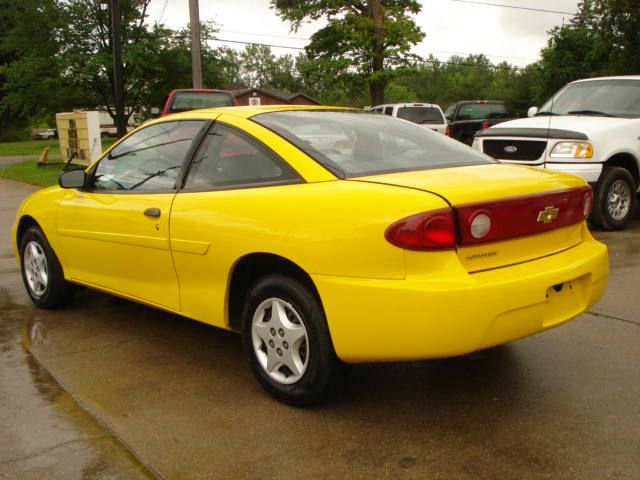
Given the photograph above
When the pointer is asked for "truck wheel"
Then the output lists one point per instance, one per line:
(615, 199)
(286, 338)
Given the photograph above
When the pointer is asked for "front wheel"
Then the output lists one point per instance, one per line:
(41, 271)
(286, 338)
(615, 199)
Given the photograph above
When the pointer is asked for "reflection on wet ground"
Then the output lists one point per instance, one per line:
(44, 432)
(559, 405)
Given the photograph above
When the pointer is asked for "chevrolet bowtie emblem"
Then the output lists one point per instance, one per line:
(548, 215)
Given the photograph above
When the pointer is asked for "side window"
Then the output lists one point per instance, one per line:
(388, 110)
(449, 113)
(149, 159)
(228, 158)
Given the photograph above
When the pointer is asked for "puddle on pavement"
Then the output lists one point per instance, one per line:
(45, 432)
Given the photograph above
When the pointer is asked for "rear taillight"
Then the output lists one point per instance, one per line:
(448, 131)
(434, 230)
(491, 221)
(525, 215)
(485, 124)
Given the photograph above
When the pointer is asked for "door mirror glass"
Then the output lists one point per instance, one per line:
(532, 112)
(76, 178)
(155, 111)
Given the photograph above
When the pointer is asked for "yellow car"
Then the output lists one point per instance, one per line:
(325, 236)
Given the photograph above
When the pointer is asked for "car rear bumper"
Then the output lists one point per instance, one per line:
(418, 318)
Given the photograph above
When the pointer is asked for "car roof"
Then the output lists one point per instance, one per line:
(619, 77)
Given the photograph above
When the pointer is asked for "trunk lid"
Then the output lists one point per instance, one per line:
(515, 194)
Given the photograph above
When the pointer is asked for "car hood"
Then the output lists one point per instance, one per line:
(588, 124)
(460, 185)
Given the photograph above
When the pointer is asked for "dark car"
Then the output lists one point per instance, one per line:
(468, 117)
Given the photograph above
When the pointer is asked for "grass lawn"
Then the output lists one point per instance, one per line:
(29, 172)
(35, 147)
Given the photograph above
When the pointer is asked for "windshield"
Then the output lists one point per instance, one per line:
(356, 144)
(479, 111)
(421, 114)
(183, 101)
(616, 98)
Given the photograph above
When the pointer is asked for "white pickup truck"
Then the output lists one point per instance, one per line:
(590, 128)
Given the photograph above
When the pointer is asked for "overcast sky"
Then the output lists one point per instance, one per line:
(450, 26)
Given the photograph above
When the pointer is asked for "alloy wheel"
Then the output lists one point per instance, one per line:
(280, 341)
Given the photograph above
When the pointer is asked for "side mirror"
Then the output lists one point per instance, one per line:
(532, 112)
(155, 111)
(76, 178)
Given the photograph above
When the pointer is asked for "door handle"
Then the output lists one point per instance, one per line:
(152, 212)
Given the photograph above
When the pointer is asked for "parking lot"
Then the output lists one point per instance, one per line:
(113, 389)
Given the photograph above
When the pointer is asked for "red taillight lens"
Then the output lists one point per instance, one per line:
(485, 124)
(434, 230)
(525, 215)
(448, 131)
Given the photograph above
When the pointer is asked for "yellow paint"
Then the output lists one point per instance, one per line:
(381, 302)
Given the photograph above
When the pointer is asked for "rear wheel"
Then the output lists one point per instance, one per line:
(41, 271)
(615, 199)
(286, 338)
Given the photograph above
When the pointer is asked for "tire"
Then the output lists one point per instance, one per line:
(41, 271)
(315, 370)
(614, 199)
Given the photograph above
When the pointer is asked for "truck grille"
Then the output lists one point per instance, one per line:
(526, 150)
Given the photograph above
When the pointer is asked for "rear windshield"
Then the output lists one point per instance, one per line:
(475, 111)
(183, 101)
(353, 144)
(421, 115)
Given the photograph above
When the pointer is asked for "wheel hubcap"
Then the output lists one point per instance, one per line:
(619, 200)
(280, 341)
(35, 268)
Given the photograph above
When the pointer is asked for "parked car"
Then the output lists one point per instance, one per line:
(182, 100)
(47, 134)
(426, 114)
(589, 128)
(468, 117)
(399, 244)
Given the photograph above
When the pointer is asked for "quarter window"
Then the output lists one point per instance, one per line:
(149, 159)
(228, 158)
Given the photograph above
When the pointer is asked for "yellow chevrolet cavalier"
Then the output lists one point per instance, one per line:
(324, 236)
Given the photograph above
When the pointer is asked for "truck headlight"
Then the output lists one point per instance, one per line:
(572, 150)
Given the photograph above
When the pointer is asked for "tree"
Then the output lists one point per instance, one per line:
(369, 38)
(602, 39)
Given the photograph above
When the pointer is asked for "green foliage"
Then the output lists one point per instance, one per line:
(602, 39)
(370, 39)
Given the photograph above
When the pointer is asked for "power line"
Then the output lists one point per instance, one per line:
(514, 7)
(265, 35)
(164, 5)
(213, 39)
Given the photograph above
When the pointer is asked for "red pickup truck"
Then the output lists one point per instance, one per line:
(184, 99)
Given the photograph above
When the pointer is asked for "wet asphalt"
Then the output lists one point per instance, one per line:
(112, 389)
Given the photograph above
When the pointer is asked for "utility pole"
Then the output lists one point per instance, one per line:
(118, 85)
(196, 60)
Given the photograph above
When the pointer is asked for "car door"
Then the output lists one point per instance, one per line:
(220, 212)
(114, 234)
